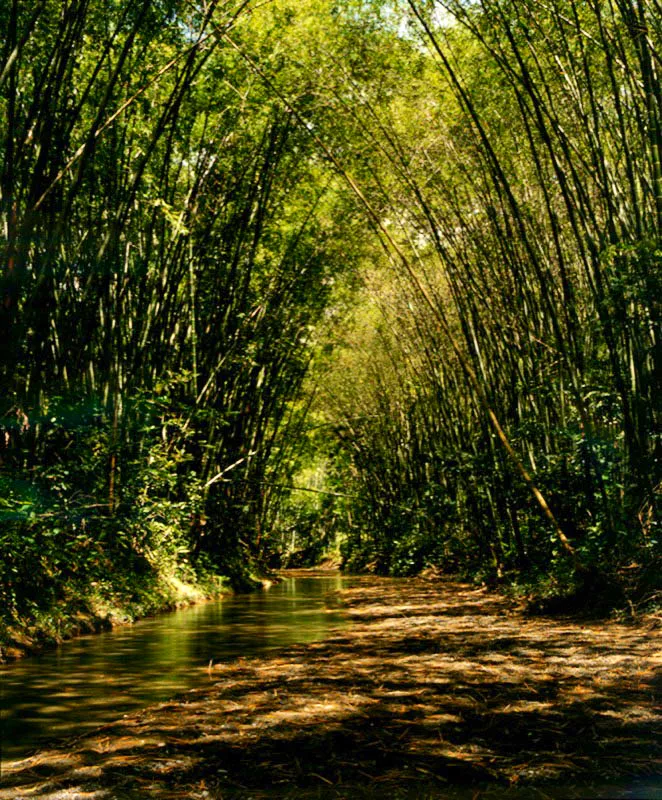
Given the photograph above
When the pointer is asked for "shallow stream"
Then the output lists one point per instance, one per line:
(91, 681)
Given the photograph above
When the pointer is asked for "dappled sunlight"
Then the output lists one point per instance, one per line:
(410, 692)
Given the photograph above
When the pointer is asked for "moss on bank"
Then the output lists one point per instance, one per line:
(90, 607)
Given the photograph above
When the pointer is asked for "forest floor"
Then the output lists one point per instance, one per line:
(436, 689)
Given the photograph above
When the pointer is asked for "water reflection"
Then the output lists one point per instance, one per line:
(90, 681)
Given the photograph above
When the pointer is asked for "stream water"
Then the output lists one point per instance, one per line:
(93, 680)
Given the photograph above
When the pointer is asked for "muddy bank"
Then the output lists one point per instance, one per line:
(438, 690)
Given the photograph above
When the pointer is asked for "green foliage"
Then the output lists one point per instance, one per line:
(194, 198)
(521, 308)
(172, 241)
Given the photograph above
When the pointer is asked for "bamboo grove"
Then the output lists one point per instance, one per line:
(168, 242)
(513, 418)
(418, 240)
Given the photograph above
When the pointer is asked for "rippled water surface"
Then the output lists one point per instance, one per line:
(93, 680)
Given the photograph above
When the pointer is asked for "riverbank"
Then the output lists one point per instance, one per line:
(92, 608)
(435, 690)
(96, 607)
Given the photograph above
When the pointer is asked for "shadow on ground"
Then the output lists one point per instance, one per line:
(437, 690)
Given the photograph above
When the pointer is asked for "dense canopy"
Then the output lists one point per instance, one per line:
(288, 279)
